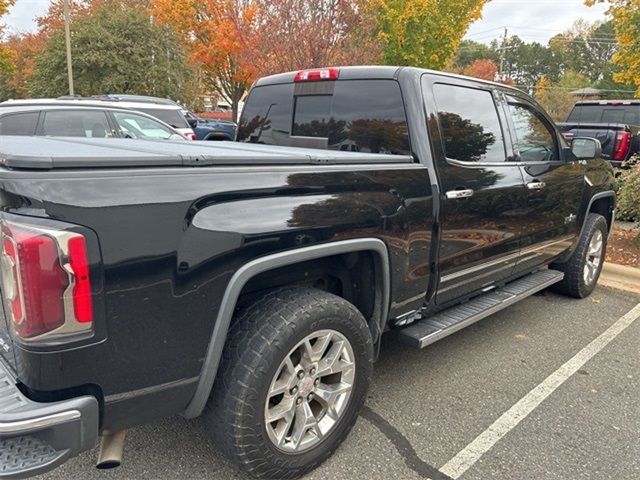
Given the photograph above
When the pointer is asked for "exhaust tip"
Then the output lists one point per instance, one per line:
(108, 464)
(111, 449)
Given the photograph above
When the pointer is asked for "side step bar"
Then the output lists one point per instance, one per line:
(429, 330)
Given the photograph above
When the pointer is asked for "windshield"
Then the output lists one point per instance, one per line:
(170, 116)
(348, 115)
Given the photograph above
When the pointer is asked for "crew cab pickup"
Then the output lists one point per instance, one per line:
(250, 282)
(615, 123)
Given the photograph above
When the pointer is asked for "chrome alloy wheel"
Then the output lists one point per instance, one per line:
(310, 391)
(594, 257)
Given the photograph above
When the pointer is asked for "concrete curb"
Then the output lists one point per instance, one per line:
(620, 277)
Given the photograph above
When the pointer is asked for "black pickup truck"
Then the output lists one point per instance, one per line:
(614, 123)
(250, 283)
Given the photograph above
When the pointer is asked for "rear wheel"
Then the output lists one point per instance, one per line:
(582, 269)
(294, 375)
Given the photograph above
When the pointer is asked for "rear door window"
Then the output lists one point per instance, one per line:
(19, 123)
(469, 124)
(76, 123)
(349, 115)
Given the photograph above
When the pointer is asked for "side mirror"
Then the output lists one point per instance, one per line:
(585, 148)
(193, 123)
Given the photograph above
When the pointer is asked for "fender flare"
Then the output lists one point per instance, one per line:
(598, 196)
(269, 262)
(608, 193)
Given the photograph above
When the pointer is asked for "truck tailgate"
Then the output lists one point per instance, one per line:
(604, 132)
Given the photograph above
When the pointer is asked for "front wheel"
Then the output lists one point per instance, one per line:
(582, 269)
(294, 375)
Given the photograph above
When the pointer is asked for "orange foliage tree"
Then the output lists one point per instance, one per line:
(236, 41)
(482, 68)
(220, 34)
(7, 54)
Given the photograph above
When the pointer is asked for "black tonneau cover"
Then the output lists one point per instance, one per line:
(65, 152)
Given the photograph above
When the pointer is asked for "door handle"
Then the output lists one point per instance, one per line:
(536, 185)
(453, 194)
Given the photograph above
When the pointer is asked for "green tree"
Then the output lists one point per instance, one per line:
(423, 33)
(626, 20)
(469, 51)
(117, 48)
(526, 63)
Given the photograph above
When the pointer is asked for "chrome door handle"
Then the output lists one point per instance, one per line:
(536, 185)
(459, 193)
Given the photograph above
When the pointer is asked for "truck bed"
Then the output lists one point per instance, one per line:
(59, 153)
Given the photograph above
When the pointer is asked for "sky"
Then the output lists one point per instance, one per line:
(531, 20)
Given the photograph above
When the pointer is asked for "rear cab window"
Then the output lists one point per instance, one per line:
(365, 116)
(606, 113)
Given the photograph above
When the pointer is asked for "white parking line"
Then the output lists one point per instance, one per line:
(459, 464)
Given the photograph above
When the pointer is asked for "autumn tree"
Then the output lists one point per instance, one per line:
(116, 48)
(220, 35)
(423, 33)
(556, 97)
(297, 34)
(485, 69)
(237, 41)
(7, 55)
(626, 21)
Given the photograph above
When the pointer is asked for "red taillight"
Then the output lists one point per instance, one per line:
(315, 74)
(622, 146)
(45, 280)
(190, 136)
(79, 262)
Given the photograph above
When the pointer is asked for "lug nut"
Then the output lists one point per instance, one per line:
(316, 382)
(313, 371)
(301, 374)
(294, 390)
(310, 397)
(299, 401)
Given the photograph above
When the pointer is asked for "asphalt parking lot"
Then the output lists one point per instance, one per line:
(425, 407)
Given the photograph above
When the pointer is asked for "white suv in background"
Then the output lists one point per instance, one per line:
(169, 113)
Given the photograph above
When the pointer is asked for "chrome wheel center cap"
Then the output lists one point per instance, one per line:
(306, 386)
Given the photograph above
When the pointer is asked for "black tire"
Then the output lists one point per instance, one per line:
(574, 283)
(261, 336)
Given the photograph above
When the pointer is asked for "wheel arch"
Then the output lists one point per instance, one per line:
(604, 204)
(270, 262)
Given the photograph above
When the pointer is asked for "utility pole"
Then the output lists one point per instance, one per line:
(502, 54)
(67, 33)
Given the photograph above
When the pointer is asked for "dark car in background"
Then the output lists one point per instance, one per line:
(615, 123)
(211, 128)
(55, 118)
